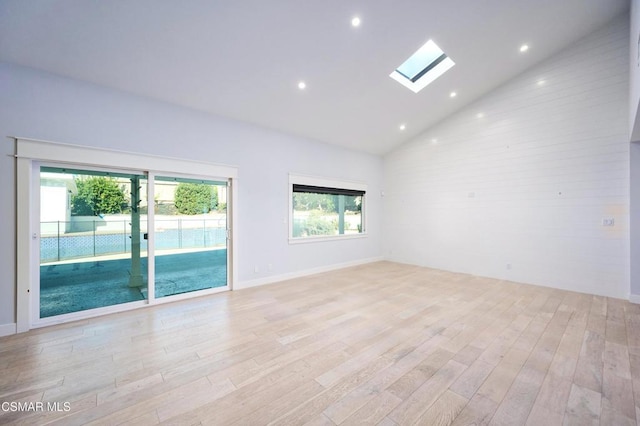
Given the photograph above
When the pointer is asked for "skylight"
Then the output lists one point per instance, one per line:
(423, 67)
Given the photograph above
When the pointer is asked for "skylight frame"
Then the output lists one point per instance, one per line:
(436, 63)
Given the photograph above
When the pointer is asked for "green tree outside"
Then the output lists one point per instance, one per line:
(195, 198)
(97, 195)
(308, 201)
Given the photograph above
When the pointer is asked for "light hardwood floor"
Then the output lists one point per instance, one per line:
(383, 343)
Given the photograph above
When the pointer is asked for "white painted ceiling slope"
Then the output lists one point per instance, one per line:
(243, 59)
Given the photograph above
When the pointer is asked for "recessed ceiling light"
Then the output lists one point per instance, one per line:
(479, 115)
(434, 141)
(524, 48)
(402, 127)
(453, 94)
(541, 82)
(302, 85)
(355, 22)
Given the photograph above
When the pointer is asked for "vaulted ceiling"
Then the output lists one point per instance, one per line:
(244, 59)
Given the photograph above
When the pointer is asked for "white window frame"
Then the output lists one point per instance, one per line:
(30, 153)
(300, 179)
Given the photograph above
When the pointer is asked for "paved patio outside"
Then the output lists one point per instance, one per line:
(77, 286)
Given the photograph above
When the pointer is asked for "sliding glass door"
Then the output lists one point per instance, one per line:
(93, 252)
(190, 236)
(94, 238)
(101, 231)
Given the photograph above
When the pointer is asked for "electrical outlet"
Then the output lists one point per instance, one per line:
(608, 221)
(256, 269)
(508, 266)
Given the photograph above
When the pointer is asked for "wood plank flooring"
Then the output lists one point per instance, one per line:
(383, 343)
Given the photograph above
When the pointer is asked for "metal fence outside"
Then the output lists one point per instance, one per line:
(171, 234)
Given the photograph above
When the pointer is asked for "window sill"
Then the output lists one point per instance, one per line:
(321, 238)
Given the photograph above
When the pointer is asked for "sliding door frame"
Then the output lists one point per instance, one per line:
(36, 320)
(151, 226)
(30, 153)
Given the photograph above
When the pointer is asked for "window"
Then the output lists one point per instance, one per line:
(423, 67)
(325, 209)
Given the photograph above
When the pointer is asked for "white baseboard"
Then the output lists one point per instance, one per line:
(634, 298)
(8, 329)
(298, 274)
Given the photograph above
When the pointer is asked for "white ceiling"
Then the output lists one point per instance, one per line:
(243, 59)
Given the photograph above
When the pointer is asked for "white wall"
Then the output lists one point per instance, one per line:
(635, 222)
(634, 121)
(634, 69)
(43, 106)
(521, 193)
